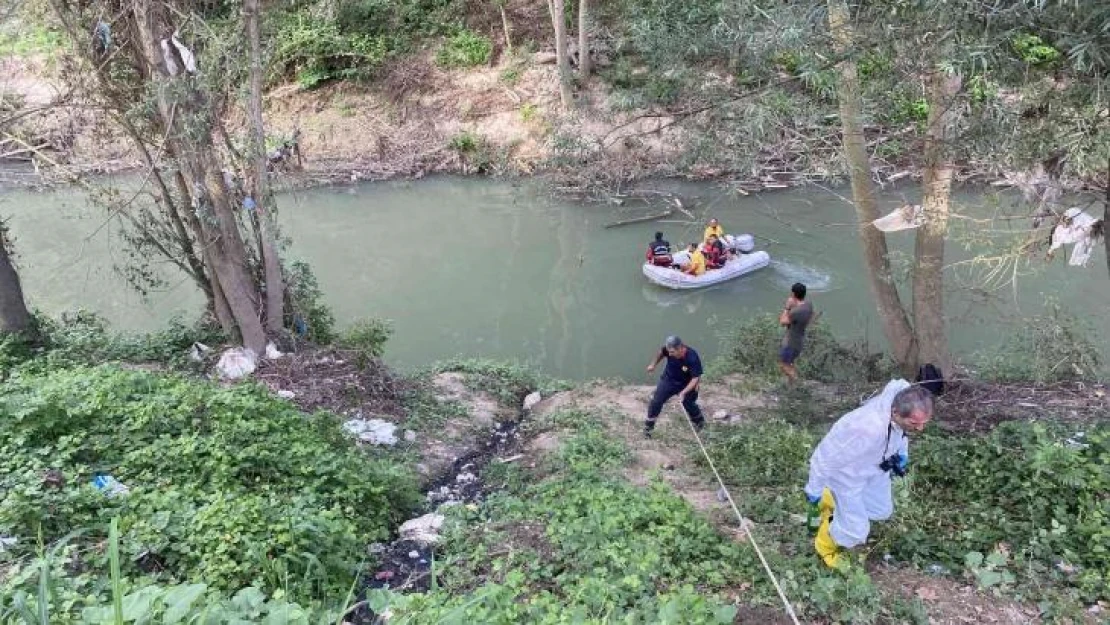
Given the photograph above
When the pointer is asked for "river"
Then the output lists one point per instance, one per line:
(498, 268)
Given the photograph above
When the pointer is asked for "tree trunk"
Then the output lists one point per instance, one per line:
(558, 21)
(892, 315)
(584, 38)
(266, 203)
(14, 318)
(928, 274)
(225, 253)
(1106, 218)
(505, 25)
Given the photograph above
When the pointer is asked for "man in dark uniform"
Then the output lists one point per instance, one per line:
(659, 252)
(680, 377)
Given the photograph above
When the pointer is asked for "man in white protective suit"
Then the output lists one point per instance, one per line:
(849, 473)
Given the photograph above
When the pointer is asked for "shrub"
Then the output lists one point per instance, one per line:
(465, 142)
(1033, 50)
(752, 347)
(314, 50)
(1044, 349)
(84, 338)
(475, 151)
(367, 337)
(528, 112)
(306, 304)
(229, 486)
(465, 49)
(1036, 489)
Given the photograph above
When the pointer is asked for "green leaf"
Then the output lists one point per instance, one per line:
(249, 600)
(179, 600)
(139, 604)
(973, 560)
(996, 559)
(725, 614)
(988, 578)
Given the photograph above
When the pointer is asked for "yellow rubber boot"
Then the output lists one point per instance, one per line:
(826, 547)
(827, 504)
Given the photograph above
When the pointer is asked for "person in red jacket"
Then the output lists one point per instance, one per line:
(715, 256)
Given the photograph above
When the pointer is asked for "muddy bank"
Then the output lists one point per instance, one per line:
(421, 119)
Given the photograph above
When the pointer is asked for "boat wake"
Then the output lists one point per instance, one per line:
(785, 274)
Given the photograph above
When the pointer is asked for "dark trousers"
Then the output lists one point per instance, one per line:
(667, 389)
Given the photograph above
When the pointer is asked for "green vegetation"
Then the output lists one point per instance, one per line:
(528, 111)
(581, 544)
(1032, 493)
(509, 382)
(306, 302)
(229, 487)
(26, 37)
(322, 41)
(465, 49)
(465, 142)
(1028, 495)
(752, 346)
(1033, 50)
(314, 50)
(83, 338)
(367, 338)
(1053, 347)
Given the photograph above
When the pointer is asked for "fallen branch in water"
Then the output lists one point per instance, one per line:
(637, 220)
(678, 203)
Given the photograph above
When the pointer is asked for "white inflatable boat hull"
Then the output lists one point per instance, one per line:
(734, 268)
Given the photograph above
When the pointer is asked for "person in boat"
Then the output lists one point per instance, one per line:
(715, 255)
(659, 252)
(696, 266)
(714, 229)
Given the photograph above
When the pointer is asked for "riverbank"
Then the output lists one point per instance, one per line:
(527, 498)
(420, 118)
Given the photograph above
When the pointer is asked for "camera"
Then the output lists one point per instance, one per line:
(894, 464)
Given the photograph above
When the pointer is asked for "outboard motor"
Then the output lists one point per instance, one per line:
(745, 243)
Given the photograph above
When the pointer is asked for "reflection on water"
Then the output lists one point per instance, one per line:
(486, 267)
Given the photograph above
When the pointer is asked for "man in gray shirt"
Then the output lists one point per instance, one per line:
(795, 318)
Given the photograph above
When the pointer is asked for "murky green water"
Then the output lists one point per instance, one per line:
(479, 267)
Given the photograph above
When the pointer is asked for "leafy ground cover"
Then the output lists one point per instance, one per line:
(582, 545)
(244, 508)
(1020, 510)
(229, 486)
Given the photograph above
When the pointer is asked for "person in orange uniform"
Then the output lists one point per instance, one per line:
(696, 266)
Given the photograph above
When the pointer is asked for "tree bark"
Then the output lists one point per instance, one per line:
(558, 21)
(892, 315)
(505, 26)
(264, 199)
(928, 274)
(584, 38)
(1106, 218)
(14, 317)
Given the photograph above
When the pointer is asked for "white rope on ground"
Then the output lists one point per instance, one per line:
(746, 527)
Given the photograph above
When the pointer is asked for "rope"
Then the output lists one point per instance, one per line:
(744, 526)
